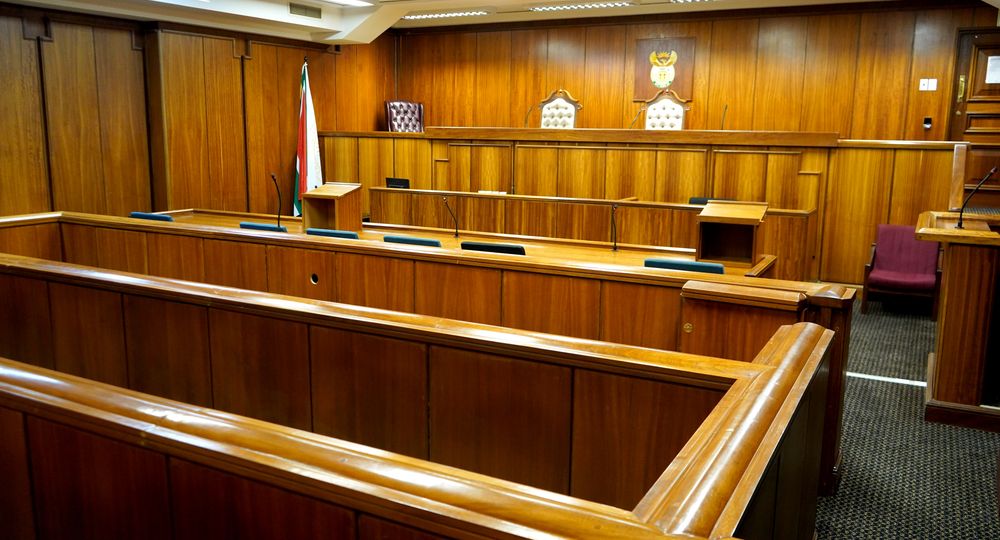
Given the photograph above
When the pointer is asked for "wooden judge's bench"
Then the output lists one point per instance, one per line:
(962, 383)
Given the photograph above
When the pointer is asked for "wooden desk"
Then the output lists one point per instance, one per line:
(962, 373)
(333, 206)
(727, 231)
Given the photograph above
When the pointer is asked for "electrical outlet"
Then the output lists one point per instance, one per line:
(932, 85)
(923, 85)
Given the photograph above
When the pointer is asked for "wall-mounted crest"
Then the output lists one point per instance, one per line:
(661, 64)
(662, 72)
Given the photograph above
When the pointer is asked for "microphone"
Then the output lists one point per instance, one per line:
(724, 109)
(969, 196)
(453, 216)
(643, 108)
(278, 190)
(528, 115)
(614, 228)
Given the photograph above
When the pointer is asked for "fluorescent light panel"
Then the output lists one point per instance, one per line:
(351, 3)
(588, 5)
(445, 15)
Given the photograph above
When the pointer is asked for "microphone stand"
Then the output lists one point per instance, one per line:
(969, 196)
(632, 123)
(453, 216)
(614, 228)
(528, 115)
(278, 190)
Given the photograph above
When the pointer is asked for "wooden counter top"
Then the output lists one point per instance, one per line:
(940, 227)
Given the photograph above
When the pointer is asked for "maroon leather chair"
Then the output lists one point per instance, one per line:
(404, 116)
(902, 265)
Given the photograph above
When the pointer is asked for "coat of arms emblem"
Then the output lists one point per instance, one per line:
(662, 71)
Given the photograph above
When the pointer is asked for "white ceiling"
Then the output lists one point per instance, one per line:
(345, 24)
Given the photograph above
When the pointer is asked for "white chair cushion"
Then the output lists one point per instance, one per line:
(665, 114)
(558, 114)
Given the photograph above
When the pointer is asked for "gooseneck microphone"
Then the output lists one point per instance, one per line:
(528, 115)
(454, 218)
(614, 227)
(636, 117)
(278, 190)
(725, 108)
(969, 196)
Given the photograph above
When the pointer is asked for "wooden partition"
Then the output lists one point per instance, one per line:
(847, 186)
(621, 304)
(788, 235)
(402, 383)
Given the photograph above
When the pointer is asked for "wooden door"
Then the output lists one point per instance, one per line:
(975, 113)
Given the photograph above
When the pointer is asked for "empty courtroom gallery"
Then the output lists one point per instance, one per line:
(362, 269)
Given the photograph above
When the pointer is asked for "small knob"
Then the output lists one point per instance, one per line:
(688, 328)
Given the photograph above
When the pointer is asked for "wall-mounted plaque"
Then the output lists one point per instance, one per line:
(664, 63)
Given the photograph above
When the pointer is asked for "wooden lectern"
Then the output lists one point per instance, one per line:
(333, 205)
(963, 387)
(727, 232)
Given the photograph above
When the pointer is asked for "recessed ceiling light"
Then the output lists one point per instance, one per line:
(588, 5)
(445, 15)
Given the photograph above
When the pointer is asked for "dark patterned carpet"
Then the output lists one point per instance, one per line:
(903, 477)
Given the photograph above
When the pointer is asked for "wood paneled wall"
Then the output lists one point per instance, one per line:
(74, 134)
(855, 72)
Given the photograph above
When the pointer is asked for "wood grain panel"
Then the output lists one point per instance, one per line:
(491, 168)
(389, 207)
(227, 173)
(791, 239)
(580, 174)
(88, 333)
(182, 70)
(370, 390)
(565, 47)
(429, 210)
(260, 367)
(530, 218)
(828, 83)
(884, 55)
(918, 184)
(79, 244)
(42, 241)
(375, 163)
(857, 198)
(437, 293)
(265, 137)
(236, 264)
(603, 91)
(340, 158)
(584, 221)
(729, 331)
(645, 226)
(212, 504)
(371, 528)
(121, 98)
(734, 63)
(412, 159)
(74, 138)
(477, 214)
(934, 58)
(463, 49)
(640, 315)
(415, 69)
(25, 324)
(630, 173)
(23, 169)
(379, 282)
(781, 56)
(82, 480)
(684, 229)
(302, 272)
(493, 106)
(179, 257)
(17, 520)
(167, 346)
(627, 430)
(536, 171)
(680, 176)
(740, 176)
(783, 183)
(528, 59)
(121, 250)
(501, 417)
(457, 161)
(552, 304)
(967, 291)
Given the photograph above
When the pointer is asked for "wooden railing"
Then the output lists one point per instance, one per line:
(63, 432)
(630, 305)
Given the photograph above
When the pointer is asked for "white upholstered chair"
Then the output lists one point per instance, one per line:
(559, 110)
(665, 111)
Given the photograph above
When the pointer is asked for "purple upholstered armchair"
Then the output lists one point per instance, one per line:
(900, 264)
(404, 116)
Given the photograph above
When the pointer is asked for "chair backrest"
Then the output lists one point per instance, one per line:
(332, 233)
(685, 264)
(404, 116)
(897, 248)
(665, 111)
(149, 215)
(414, 240)
(510, 249)
(559, 110)
(262, 226)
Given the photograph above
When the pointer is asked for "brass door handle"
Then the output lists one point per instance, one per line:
(961, 88)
